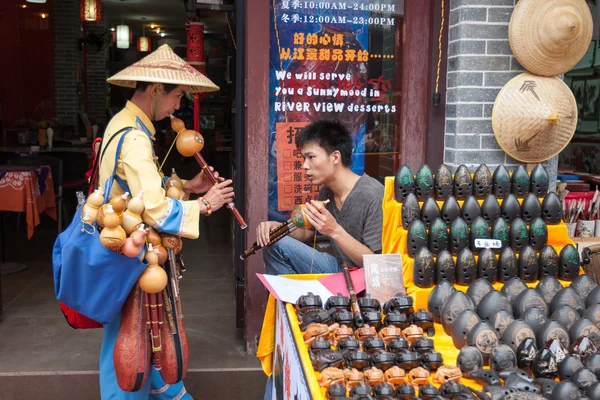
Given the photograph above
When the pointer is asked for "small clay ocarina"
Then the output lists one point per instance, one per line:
(429, 212)
(548, 262)
(593, 297)
(565, 315)
(401, 303)
(507, 265)
(450, 210)
(444, 267)
(482, 178)
(444, 184)
(463, 183)
(526, 353)
(536, 318)
(552, 209)
(520, 181)
(583, 347)
(501, 320)
(410, 210)
(424, 184)
(487, 266)
(454, 305)
(568, 263)
(554, 337)
(470, 360)
(479, 289)
(583, 285)
(568, 296)
(368, 303)
(548, 287)
(527, 299)
(500, 231)
(539, 181)
(404, 183)
(501, 182)
(484, 337)
(518, 235)
(531, 208)
(480, 229)
(465, 321)
(459, 236)
(529, 264)
(502, 358)
(490, 209)
(438, 236)
(511, 208)
(423, 268)
(466, 268)
(470, 209)
(436, 298)
(416, 238)
(491, 304)
(513, 288)
(584, 327)
(515, 333)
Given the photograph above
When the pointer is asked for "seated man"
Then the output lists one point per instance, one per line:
(352, 219)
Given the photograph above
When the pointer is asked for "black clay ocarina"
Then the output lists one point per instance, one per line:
(548, 262)
(484, 337)
(438, 236)
(444, 184)
(551, 209)
(424, 183)
(466, 268)
(568, 263)
(584, 378)
(491, 304)
(367, 302)
(554, 337)
(520, 181)
(568, 366)
(383, 390)
(424, 320)
(372, 318)
(348, 344)
(405, 391)
(526, 352)
(486, 377)
(565, 390)
(459, 236)
(490, 209)
(478, 290)
(482, 178)
(593, 363)
(513, 288)
(501, 320)
(336, 391)
(584, 327)
(463, 184)
(531, 208)
(308, 301)
(422, 345)
(454, 305)
(536, 318)
(565, 315)
(343, 317)
(397, 319)
(507, 265)
(526, 386)
(450, 210)
(410, 210)
(583, 347)
(337, 303)
(436, 298)
(593, 313)
(593, 297)
(539, 181)
(547, 386)
(510, 208)
(518, 235)
(404, 183)
(501, 182)
(444, 267)
(327, 359)
(417, 238)
(529, 264)
(502, 358)
(548, 287)
(408, 360)
(470, 360)
(429, 212)
(515, 333)
(500, 231)
(465, 321)
(382, 359)
(487, 266)
(583, 285)
(357, 359)
(432, 360)
(527, 299)
(397, 345)
(470, 209)
(480, 229)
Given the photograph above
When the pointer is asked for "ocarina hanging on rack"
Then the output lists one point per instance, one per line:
(92, 205)
(154, 238)
(568, 263)
(470, 209)
(430, 211)
(424, 184)
(463, 183)
(466, 268)
(438, 236)
(404, 183)
(177, 182)
(443, 183)
(417, 237)
(487, 266)
(510, 208)
(154, 278)
(538, 234)
(459, 236)
(529, 264)
(479, 230)
(500, 232)
(450, 210)
(132, 217)
(113, 235)
(483, 182)
(552, 209)
(518, 235)
(531, 208)
(410, 210)
(423, 268)
(520, 182)
(444, 267)
(490, 209)
(539, 181)
(501, 182)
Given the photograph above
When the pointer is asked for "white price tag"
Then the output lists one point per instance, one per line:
(488, 243)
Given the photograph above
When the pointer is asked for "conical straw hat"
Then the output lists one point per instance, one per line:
(163, 66)
(534, 117)
(548, 37)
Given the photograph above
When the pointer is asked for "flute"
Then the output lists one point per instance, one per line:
(190, 143)
(358, 319)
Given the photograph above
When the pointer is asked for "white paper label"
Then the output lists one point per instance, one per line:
(488, 243)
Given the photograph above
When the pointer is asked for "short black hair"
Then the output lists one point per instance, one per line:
(330, 135)
(142, 86)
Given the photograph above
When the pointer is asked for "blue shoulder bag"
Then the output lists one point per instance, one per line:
(88, 277)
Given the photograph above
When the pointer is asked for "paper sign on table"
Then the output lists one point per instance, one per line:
(384, 276)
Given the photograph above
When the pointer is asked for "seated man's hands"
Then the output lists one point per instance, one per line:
(320, 218)
(262, 232)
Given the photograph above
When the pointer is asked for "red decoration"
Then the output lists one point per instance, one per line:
(197, 58)
(144, 44)
(90, 10)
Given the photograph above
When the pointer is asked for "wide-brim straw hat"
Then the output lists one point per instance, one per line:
(549, 37)
(164, 66)
(534, 117)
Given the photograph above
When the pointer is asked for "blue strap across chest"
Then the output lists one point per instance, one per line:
(114, 176)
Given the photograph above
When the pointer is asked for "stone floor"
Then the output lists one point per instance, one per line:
(42, 357)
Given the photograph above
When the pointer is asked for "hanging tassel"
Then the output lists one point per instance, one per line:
(196, 112)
